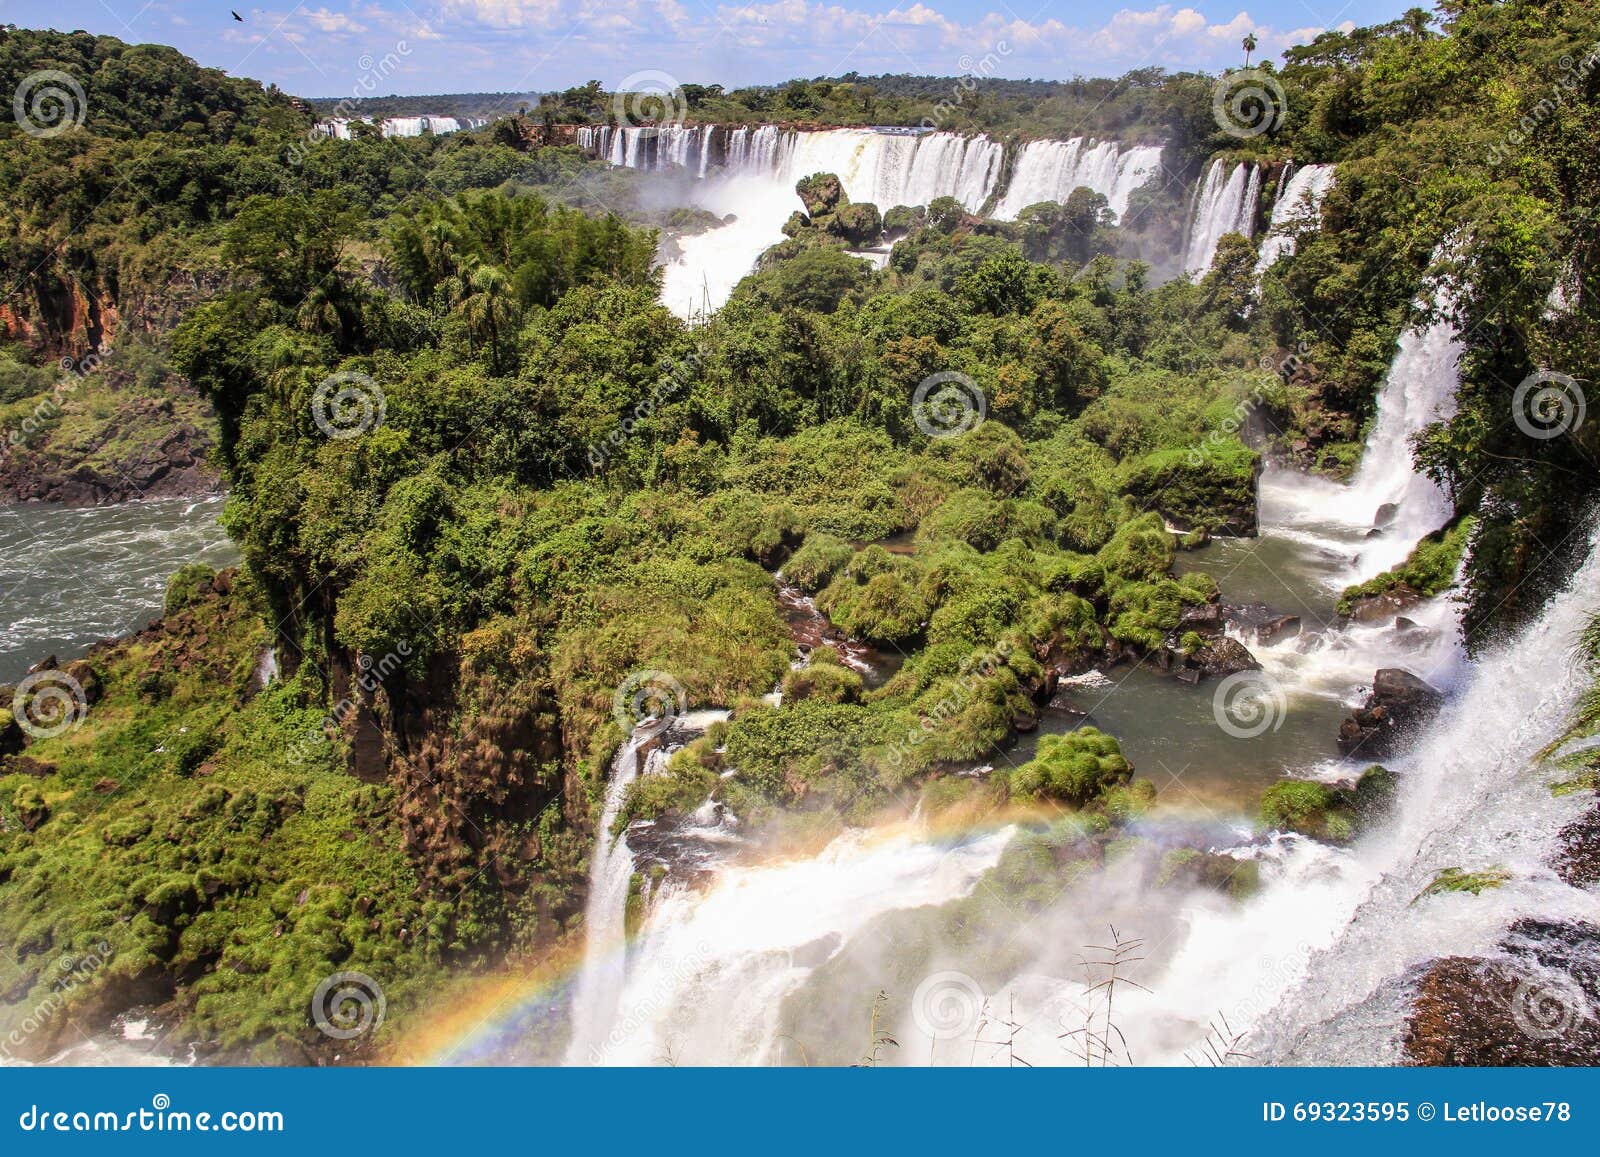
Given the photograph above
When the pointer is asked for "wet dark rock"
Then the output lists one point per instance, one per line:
(1577, 859)
(1206, 619)
(1400, 702)
(1386, 605)
(12, 739)
(1537, 1002)
(27, 765)
(1386, 514)
(1217, 656)
(1414, 634)
(1281, 628)
(1224, 656)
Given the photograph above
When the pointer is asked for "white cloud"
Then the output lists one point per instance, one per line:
(546, 44)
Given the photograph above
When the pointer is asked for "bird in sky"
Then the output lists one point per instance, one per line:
(236, 16)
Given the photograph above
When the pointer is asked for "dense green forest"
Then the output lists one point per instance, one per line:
(551, 482)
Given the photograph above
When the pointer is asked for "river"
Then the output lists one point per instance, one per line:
(70, 576)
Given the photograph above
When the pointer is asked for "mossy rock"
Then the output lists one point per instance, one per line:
(1448, 880)
(821, 193)
(1329, 812)
(190, 585)
(824, 678)
(1078, 768)
(858, 225)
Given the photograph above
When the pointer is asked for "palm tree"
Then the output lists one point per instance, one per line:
(1249, 47)
(489, 309)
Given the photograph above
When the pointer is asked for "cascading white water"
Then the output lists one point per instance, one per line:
(1051, 170)
(1419, 389)
(1298, 206)
(1471, 798)
(339, 127)
(752, 172)
(605, 917)
(1226, 203)
(713, 968)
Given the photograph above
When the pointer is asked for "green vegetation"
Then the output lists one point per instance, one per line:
(1075, 769)
(1448, 880)
(1429, 570)
(1334, 813)
(558, 484)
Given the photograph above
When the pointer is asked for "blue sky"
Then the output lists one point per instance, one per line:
(334, 47)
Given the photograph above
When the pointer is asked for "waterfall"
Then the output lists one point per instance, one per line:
(1298, 206)
(605, 918)
(877, 166)
(887, 168)
(339, 127)
(1419, 389)
(1226, 204)
(1051, 170)
(713, 968)
(749, 172)
(1472, 764)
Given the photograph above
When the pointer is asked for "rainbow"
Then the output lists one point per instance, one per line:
(488, 1019)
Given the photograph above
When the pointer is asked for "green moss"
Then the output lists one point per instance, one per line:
(819, 558)
(824, 678)
(1077, 769)
(1430, 569)
(1327, 812)
(1310, 808)
(1448, 880)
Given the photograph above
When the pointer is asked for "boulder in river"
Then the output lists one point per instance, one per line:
(1277, 630)
(1399, 703)
(1385, 605)
(1216, 656)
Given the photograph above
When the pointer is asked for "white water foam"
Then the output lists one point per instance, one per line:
(714, 967)
(1226, 203)
(1298, 207)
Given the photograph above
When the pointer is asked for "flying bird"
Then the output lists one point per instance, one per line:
(236, 16)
